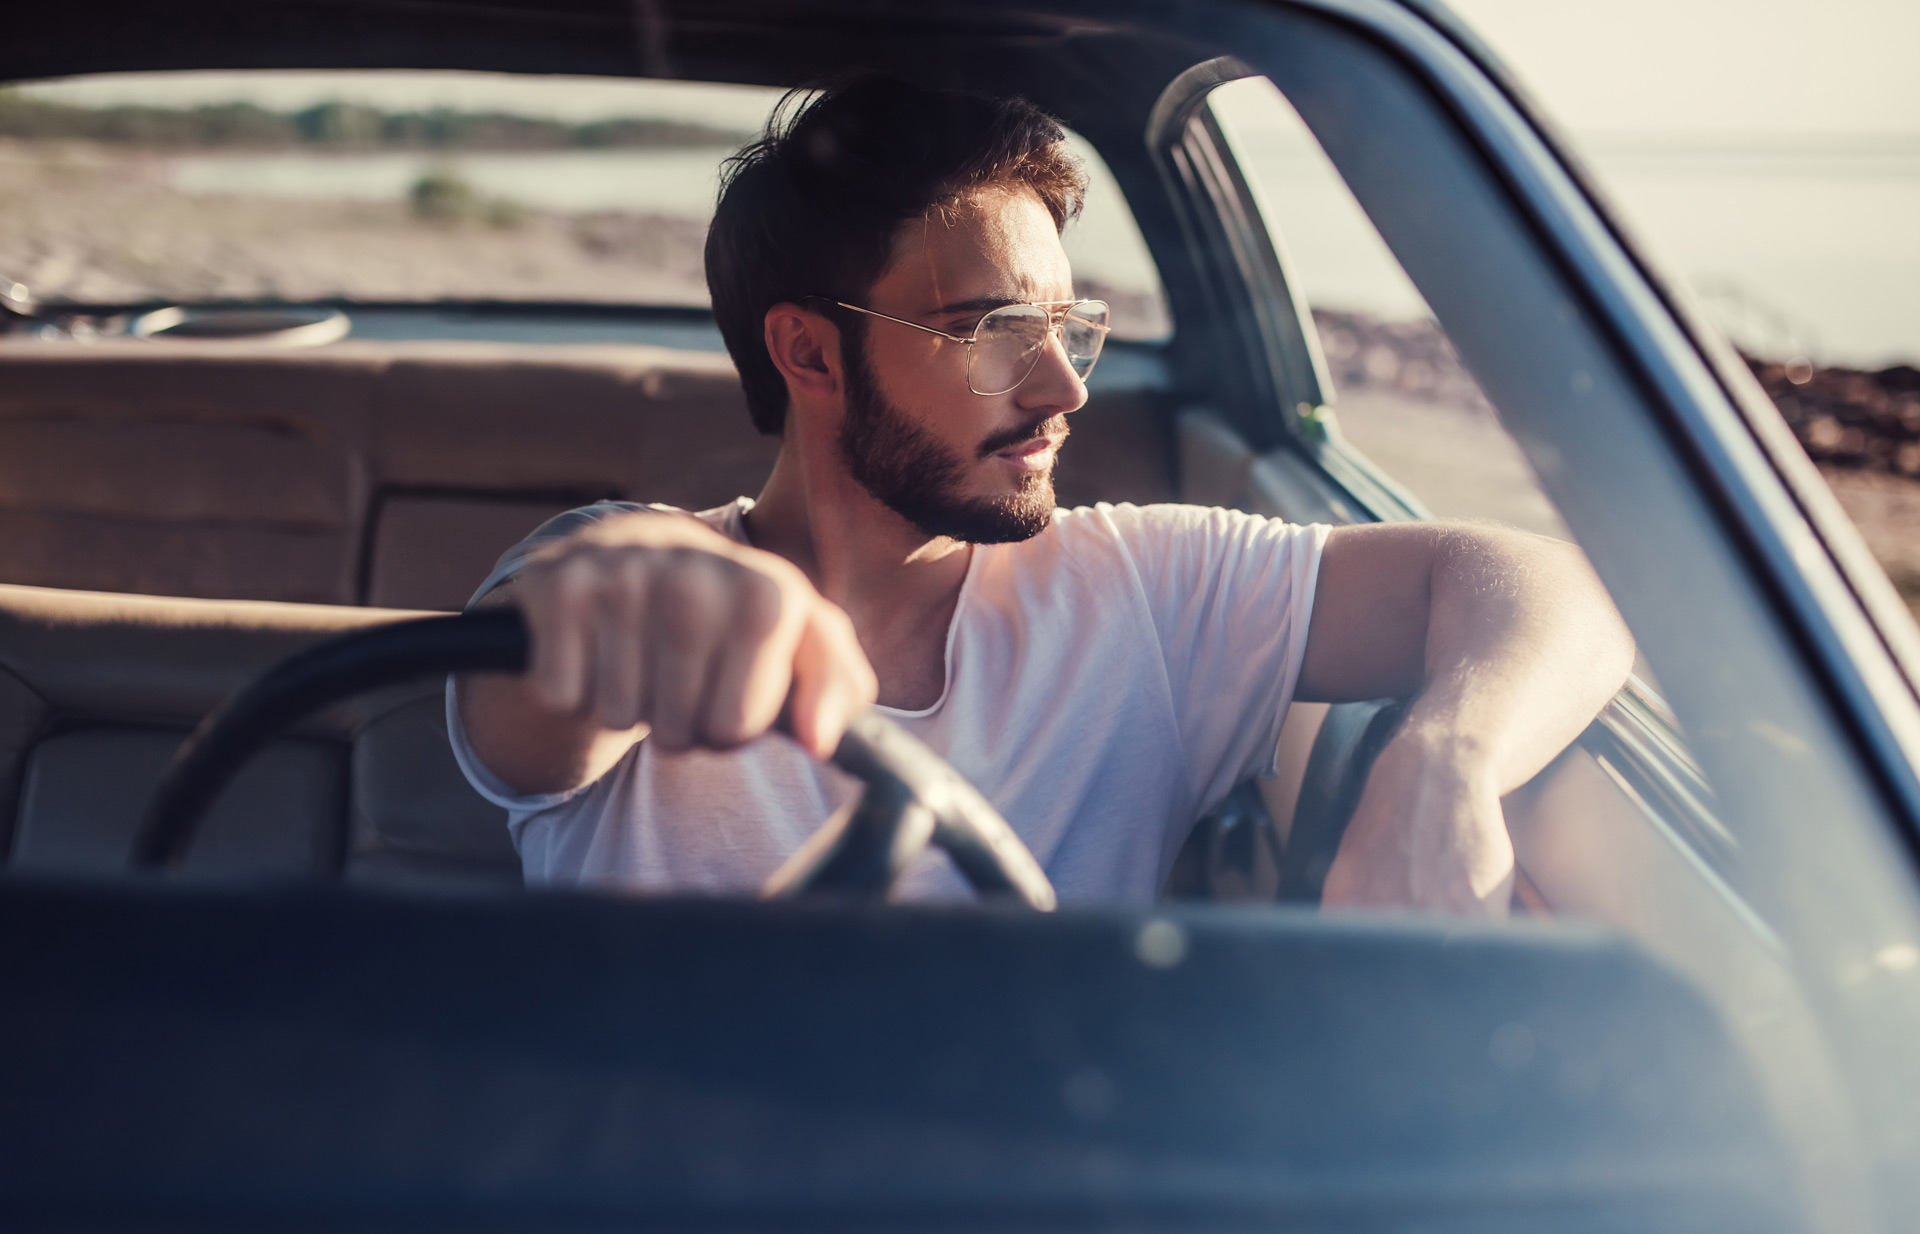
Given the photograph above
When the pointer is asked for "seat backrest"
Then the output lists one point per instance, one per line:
(83, 792)
(414, 816)
(362, 472)
(394, 473)
(97, 691)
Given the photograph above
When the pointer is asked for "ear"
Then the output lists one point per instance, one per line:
(805, 347)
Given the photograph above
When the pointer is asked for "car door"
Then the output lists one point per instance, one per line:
(1629, 433)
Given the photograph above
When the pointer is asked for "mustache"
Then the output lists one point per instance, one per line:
(1052, 426)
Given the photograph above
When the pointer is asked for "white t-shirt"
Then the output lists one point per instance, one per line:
(1107, 683)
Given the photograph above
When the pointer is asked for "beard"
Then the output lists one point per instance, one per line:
(918, 477)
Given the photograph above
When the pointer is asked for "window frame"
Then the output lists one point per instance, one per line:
(1637, 738)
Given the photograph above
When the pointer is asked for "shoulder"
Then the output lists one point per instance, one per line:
(1164, 526)
(1106, 543)
(724, 519)
(1176, 551)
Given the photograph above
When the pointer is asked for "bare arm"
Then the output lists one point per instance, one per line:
(1508, 645)
(652, 626)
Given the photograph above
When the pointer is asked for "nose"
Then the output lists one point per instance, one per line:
(1052, 387)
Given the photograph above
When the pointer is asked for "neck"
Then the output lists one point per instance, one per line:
(898, 584)
(857, 551)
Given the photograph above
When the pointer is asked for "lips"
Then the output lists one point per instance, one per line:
(1021, 442)
(1035, 446)
(1034, 456)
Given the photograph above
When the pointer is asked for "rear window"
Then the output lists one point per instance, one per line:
(407, 187)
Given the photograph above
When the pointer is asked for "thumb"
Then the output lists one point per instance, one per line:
(832, 681)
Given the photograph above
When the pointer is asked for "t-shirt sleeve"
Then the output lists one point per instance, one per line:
(1231, 595)
(556, 528)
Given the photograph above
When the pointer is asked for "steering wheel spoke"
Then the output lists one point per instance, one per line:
(861, 850)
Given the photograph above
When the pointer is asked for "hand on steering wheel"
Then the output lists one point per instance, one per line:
(912, 797)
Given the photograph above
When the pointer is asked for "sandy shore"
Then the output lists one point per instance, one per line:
(83, 224)
(92, 224)
(1404, 400)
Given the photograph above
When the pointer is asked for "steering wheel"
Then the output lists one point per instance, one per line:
(910, 798)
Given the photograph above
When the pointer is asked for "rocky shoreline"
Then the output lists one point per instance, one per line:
(1861, 428)
(1849, 418)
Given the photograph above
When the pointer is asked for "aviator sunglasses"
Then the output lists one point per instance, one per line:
(1005, 345)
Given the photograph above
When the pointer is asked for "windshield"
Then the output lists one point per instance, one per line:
(410, 187)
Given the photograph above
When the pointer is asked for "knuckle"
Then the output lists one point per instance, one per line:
(759, 603)
(690, 600)
(571, 580)
(679, 610)
(630, 566)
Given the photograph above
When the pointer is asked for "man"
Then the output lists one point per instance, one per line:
(887, 271)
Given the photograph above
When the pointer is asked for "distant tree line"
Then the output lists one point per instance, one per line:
(339, 126)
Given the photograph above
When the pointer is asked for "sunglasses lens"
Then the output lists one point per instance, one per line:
(1006, 346)
(1083, 332)
(1008, 342)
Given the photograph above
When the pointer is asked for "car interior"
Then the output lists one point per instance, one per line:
(178, 515)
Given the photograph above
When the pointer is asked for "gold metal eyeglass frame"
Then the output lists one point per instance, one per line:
(1057, 312)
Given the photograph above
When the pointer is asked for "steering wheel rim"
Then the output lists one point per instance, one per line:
(1350, 739)
(911, 797)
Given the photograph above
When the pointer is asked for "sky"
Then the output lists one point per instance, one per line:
(1819, 254)
(1729, 67)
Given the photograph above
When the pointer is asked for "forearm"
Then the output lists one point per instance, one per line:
(526, 745)
(529, 748)
(1523, 649)
(1507, 645)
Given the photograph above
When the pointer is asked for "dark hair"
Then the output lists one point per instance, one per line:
(812, 208)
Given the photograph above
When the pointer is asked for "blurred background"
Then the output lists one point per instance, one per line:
(1767, 152)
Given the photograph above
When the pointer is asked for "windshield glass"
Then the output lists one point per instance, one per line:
(409, 187)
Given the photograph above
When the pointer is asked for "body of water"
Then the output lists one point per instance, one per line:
(1104, 243)
(1804, 251)
(1793, 251)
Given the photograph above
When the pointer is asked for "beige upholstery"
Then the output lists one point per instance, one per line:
(384, 472)
(235, 471)
(430, 552)
(97, 690)
(413, 812)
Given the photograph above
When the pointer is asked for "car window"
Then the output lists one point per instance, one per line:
(409, 187)
(1398, 390)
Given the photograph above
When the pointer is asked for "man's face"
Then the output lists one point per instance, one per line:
(952, 462)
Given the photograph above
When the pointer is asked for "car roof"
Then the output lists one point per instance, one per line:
(1070, 64)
